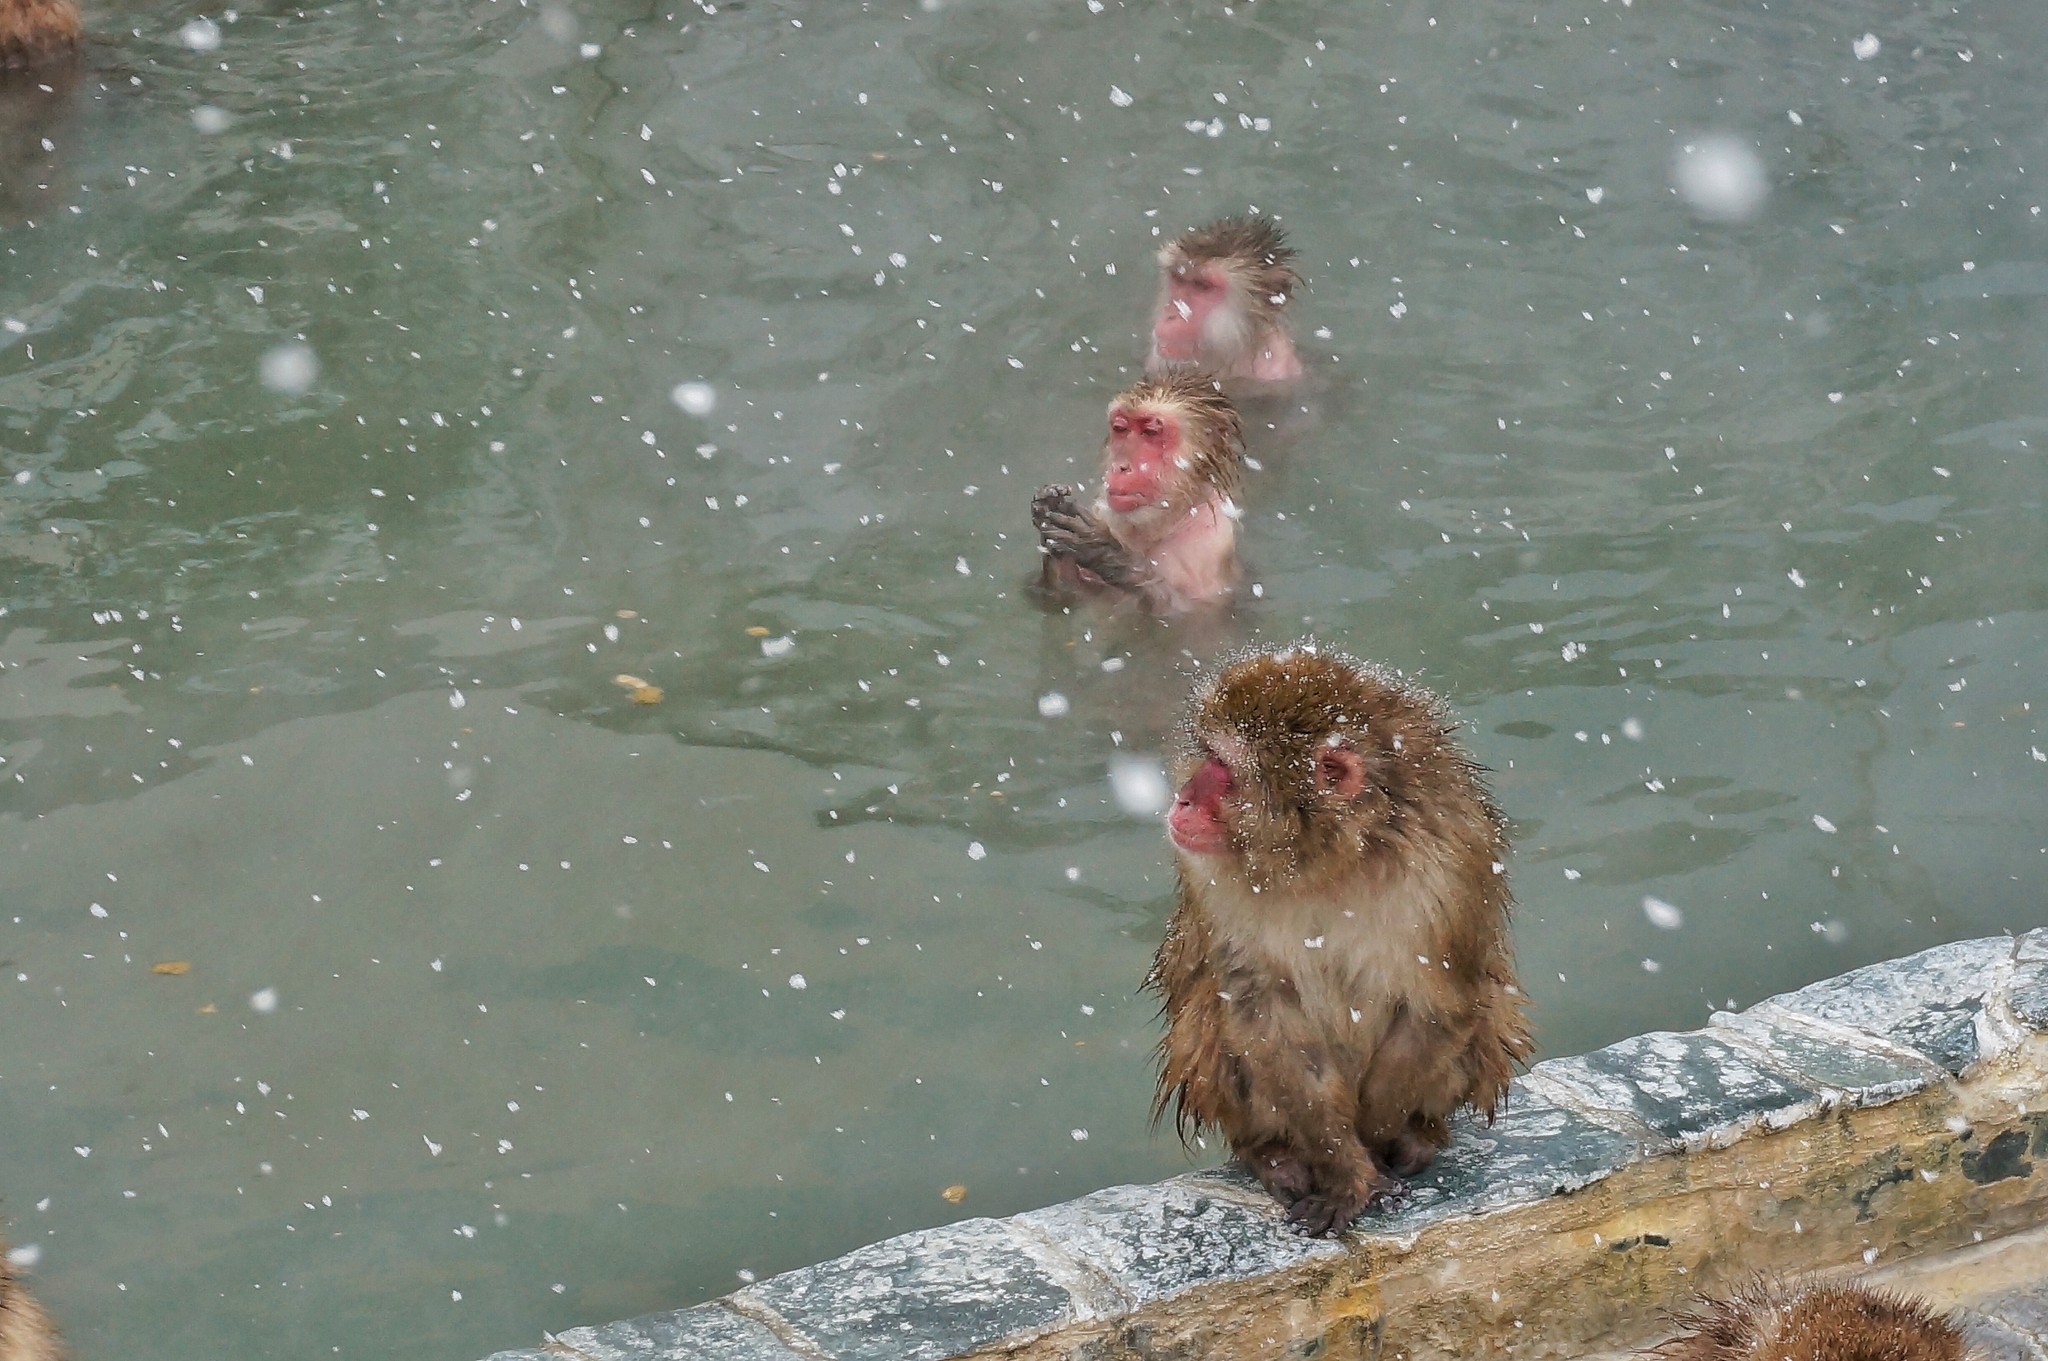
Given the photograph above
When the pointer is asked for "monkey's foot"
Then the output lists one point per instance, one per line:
(1324, 1214)
(1327, 1213)
(1285, 1176)
(1407, 1154)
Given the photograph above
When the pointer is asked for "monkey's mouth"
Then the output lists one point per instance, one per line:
(1124, 502)
(1207, 844)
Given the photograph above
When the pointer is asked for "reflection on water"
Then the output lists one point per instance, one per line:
(1726, 537)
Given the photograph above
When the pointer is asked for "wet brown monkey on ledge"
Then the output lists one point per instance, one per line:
(1337, 979)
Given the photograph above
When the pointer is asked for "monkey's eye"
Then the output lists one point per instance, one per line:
(1120, 423)
(1154, 427)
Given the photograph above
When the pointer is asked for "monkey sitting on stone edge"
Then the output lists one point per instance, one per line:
(1337, 979)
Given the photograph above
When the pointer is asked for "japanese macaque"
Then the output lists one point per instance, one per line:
(1815, 1322)
(1164, 530)
(36, 31)
(1338, 978)
(1223, 294)
(26, 1333)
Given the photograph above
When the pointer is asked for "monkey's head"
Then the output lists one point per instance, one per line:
(1299, 766)
(1846, 1319)
(1221, 286)
(1170, 440)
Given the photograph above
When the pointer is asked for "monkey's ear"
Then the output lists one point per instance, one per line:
(1340, 771)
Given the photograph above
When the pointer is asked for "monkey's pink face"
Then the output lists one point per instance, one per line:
(1141, 458)
(1257, 820)
(1197, 822)
(1191, 297)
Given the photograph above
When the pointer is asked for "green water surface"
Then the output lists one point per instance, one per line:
(513, 1004)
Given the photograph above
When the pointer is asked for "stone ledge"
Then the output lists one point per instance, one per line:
(1895, 1110)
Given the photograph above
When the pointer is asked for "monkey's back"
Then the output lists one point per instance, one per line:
(26, 1333)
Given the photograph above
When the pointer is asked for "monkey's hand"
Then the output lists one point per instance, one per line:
(1066, 530)
(1052, 498)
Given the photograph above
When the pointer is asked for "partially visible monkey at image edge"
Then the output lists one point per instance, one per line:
(1223, 294)
(26, 1333)
(1815, 1322)
(1164, 530)
(36, 31)
(1337, 979)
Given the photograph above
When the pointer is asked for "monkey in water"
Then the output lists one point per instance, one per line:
(36, 31)
(1223, 294)
(1164, 530)
(1814, 1322)
(26, 1333)
(1337, 979)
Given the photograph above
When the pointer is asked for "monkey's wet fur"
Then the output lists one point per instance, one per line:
(36, 31)
(1767, 1321)
(26, 1333)
(1337, 979)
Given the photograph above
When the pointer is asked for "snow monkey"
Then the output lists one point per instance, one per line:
(1223, 290)
(35, 31)
(1337, 979)
(1164, 530)
(1766, 1321)
(25, 1330)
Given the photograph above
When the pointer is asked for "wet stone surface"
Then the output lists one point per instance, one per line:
(707, 1333)
(1688, 1087)
(1990, 1340)
(2029, 995)
(1862, 1077)
(920, 1297)
(1536, 1149)
(1155, 1241)
(1927, 1002)
(2023, 1311)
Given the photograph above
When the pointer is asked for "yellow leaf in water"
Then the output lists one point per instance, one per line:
(954, 1194)
(640, 692)
(208, 1009)
(173, 967)
(627, 614)
(757, 632)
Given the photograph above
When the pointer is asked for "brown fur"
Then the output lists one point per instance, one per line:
(1846, 1322)
(1330, 1068)
(1255, 252)
(35, 31)
(26, 1333)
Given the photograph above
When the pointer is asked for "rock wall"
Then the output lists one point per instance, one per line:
(1898, 1110)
